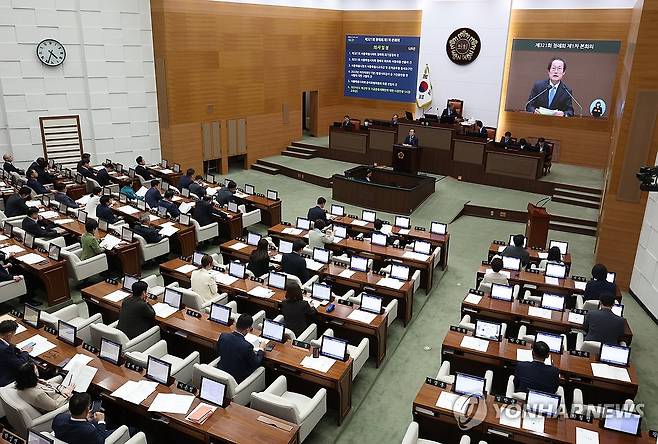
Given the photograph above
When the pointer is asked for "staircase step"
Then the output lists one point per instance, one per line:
(576, 202)
(573, 228)
(577, 195)
(569, 187)
(305, 145)
(297, 155)
(301, 149)
(265, 169)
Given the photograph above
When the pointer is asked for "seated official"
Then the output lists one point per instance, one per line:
(42, 395)
(197, 187)
(202, 281)
(480, 130)
(237, 355)
(319, 236)
(448, 113)
(142, 228)
(79, 425)
(411, 139)
(603, 325)
(153, 195)
(297, 313)
(368, 177)
(127, 190)
(384, 229)
(41, 167)
(103, 211)
(517, 250)
(15, 204)
(293, 263)
(507, 139)
(62, 197)
(204, 212)
(85, 158)
(259, 259)
(541, 146)
(140, 169)
(5, 275)
(103, 174)
(225, 194)
(493, 278)
(168, 203)
(524, 145)
(38, 226)
(395, 119)
(86, 170)
(536, 375)
(11, 357)
(347, 123)
(94, 200)
(187, 179)
(554, 256)
(9, 167)
(318, 211)
(89, 242)
(33, 182)
(136, 315)
(599, 284)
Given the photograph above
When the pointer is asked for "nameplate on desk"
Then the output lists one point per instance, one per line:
(485, 262)
(112, 281)
(477, 292)
(287, 224)
(505, 400)
(153, 297)
(90, 348)
(435, 382)
(579, 278)
(581, 418)
(256, 279)
(579, 353)
(579, 311)
(185, 258)
(536, 248)
(51, 330)
(241, 296)
(186, 387)
(134, 367)
(499, 242)
(345, 302)
(301, 344)
(379, 273)
(399, 247)
(517, 341)
(16, 314)
(420, 228)
(338, 264)
(194, 314)
(458, 329)
(526, 302)
(534, 271)
(11, 438)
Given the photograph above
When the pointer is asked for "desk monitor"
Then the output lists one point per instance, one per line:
(337, 210)
(233, 207)
(126, 234)
(28, 240)
(131, 173)
(358, 263)
(213, 392)
(402, 222)
(277, 280)
(321, 255)
(66, 332)
(196, 258)
(62, 208)
(110, 351)
(107, 191)
(438, 228)
(562, 245)
(371, 303)
(82, 216)
(379, 239)
(511, 263)
(502, 292)
(615, 354)
(303, 223)
(249, 189)
(622, 421)
(552, 301)
(400, 272)
(321, 292)
(253, 238)
(285, 246)
(176, 168)
(8, 229)
(554, 341)
(272, 195)
(45, 200)
(31, 315)
(164, 163)
(236, 269)
(612, 275)
(79, 179)
(422, 247)
(273, 330)
(162, 211)
(123, 198)
(618, 309)
(556, 270)
(334, 348)
(164, 185)
(547, 404)
(141, 205)
(37, 438)
(220, 313)
(488, 330)
(103, 225)
(173, 298)
(469, 385)
(511, 240)
(368, 216)
(210, 178)
(128, 282)
(158, 370)
(185, 192)
(340, 231)
(54, 252)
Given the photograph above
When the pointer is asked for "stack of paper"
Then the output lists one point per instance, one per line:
(255, 341)
(33, 203)
(453, 402)
(109, 242)
(201, 413)
(241, 195)
(542, 255)
(503, 272)
(346, 273)
(63, 221)
(81, 376)
(128, 209)
(49, 214)
(142, 191)
(576, 318)
(3, 237)
(533, 422)
(475, 343)
(117, 296)
(185, 207)
(610, 372)
(77, 360)
(415, 256)
(169, 230)
(12, 249)
(403, 231)
(539, 312)
(584, 436)
(293, 231)
(135, 391)
(211, 191)
(32, 258)
(510, 417)
(473, 299)
(238, 246)
(156, 290)
(390, 283)
(153, 217)
(164, 310)
(360, 223)
(362, 316)
(261, 292)
(551, 280)
(186, 268)
(224, 279)
(84, 199)
(166, 171)
(41, 345)
(321, 363)
(580, 285)
(171, 403)
(525, 355)
(312, 265)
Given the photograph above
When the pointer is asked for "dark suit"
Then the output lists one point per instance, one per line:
(35, 228)
(44, 176)
(66, 200)
(518, 252)
(537, 376)
(185, 182)
(413, 141)
(506, 142)
(316, 213)
(562, 100)
(103, 177)
(10, 359)
(171, 207)
(10, 168)
(293, 263)
(204, 213)
(603, 326)
(483, 133)
(153, 197)
(5, 275)
(197, 189)
(237, 356)
(104, 212)
(36, 186)
(448, 114)
(297, 315)
(79, 432)
(135, 317)
(259, 267)
(87, 172)
(15, 206)
(150, 234)
(142, 171)
(594, 289)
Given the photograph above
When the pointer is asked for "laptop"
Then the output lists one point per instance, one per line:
(622, 421)
(303, 224)
(272, 195)
(358, 263)
(158, 370)
(173, 298)
(546, 404)
(511, 263)
(210, 178)
(285, 246)
(236, 269)
(273, 330)
(563, 246)
(438, 228)
(402, 222)
(368, 216)
(337, 210)
(253, 238)
(277, 280)
(249, 189)
(511, 240)
(162, 211)
(185, 192)
(469, 385)
(321, 255)
(502, 292)
(37, 438)
(422, 247)
(82, 216)
(233, 207)
(196, 258)
(379, 239)
(321, 292)
(220, 313)
(371, 303)
(213, 392)
(110, 351)
(615, 354)
(552, 301)
(128, 282)
(31, 315)
(400, 272)
(141, 205)
(67, 332)
(556, 270)
(28, 241)
(103, 225)
(334, 348)
(553, 340)
(490, 331)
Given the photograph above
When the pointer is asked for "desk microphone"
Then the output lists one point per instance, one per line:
(542, 202)
(526, 104)
(574, 99)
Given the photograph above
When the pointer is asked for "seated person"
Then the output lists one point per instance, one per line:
(5, 275)
(197, 187)
(169, 204)
(599, 284)
(86, 158)
(127, 190)
(136, 315)
(297, 313)
(204, 212)
(259, 259)
(153, 196)
(202, 281)
(493, 278)
(38, 226)
(517, 250)
(293, 263)
(507, 139)
(41, 167)
(394, 119)
(42, 395)
(536, 375)
(142, 228)
(15, 204)
(140, 169)
(187, 179)
(603, 325)
(9, 167)
(225, 194)
(103, 211)
(524, 145)
(347, 123)
(448, 113)
(480, 130)
(319, 236)
(86, 170)
(554, 256)
(541, 146)
(89, 242)
(80, 426)
(33, 182)
(94, 200)
(62, 197)
(318, 211)
(385, 229)
(411, 139)
(237, 355)
(103, 174)
(11, 357)
(368, 177)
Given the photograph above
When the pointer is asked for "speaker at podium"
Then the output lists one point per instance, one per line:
(406, 158)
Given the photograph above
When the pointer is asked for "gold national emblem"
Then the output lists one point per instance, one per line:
(463, 46)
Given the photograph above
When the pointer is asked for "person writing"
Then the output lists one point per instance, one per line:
(136, 315)
(197, 187)
(536, 375)
(202, 281)
(42, 395)
(81, 426)
(552, 93)
(297, 313)
(153, 195)
(103, 174)
(237, 356)
(89, 242)
(411, 139)
(11, 357)
(142, 228)
(225, 194)
(259, 259)
(168, 203)
(103, 211)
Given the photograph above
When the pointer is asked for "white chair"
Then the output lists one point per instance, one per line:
(310, 332)
(192, 300)
(138, 343)
(469, 325)
(578, 406)
(249, 218)
(258, 317)
(411, 437)
(154, 280)
(144, 182)
(306, 285)
(521, 396)
(444, 375)
(358, 353)
(83, 269)
(217, 260)
(91, 183)
(139, 438)
(120, 436)
(181, 368)
(592, 347)
(76, 315)
(523, 334)
(12, 289)
(528, 297)
(207, 232)
(238, 393)
(592, 304)
(277, 401)
(151, 251)
(45, 243)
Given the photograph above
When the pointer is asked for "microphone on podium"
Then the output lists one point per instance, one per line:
(526, 104)
(574, 99)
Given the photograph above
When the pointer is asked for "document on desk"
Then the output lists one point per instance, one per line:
(12, 249)
(211, 191)
(167, 171)
(475, 343)
(390, 283)
(49, 214)
(153, 217)
(33, 203)
(346, 273)
(63, 221)
(238, 246)
(576, 318)
(539, 312)
(135, 391)
(542, 255)
(3, 237)
(32, 258)
(171, 403)
(338, 239)
(453, 402)
(81, 375)
(362, 316)
(7, 317)
(473, 299)
(584, 436)
(610, 372)
(128, 209)
(580, 285)
(77, 360)
(510, 418)
(502, 248)
(116, 296)
(164, 310)
(109, 242)
(360, 223)
(403, 231)
(168, 230)
(241, 195)
(261, 292)
(312, 265)
(415, 256)
(176, 198)
(41, 345)
(551, 280)
(525, 355)
(255, 341)
(533, 422)
(201, 413)
(321, 363)
(225, 279)
(184, 207)
(293, 231)
(83, 200)
(188, 268)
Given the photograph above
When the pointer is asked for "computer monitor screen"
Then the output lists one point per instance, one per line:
(107, 191)
(321, 292)
(62, 208)
(176, 168)
(165, 185)
(141, 205)
(220, 313)
(552, 301)
(615, 354)
(82, 216)
(618, 309)
(184, 219)
(226, 181)
(196, 258)
(233, 207)
(622, 421)
(511, 240)
(31, 315)
(110, 351)
(126, 234)
(399, 271)
(303, 224)
(273, 330)
(185, 192)
(212, 391)
(36, 438)
(340, 231)
(128, 282)
(29, 240)
(469, 385)
(103, 225)
(253, 238)
(333, 348)
(556, 270)
(249, 189)
(54, 252)
(422, 247)
(368, 216)
(173, 298)
(337, 210)
(123, 198)
(210, 178)
(563, 246)
(554, 341)
(277, 280)
(321, 255)
(236, 269)
(378, 239)
(511, 263)
(8, 229)
(612, 275)
(158, 370)
(371, 303)
(402, 222)
(543, 403)
(45, 200)
(162, 211)
(502, 292)
(358, 263)
(272, 195)
(285, 246)
(487, 330)
(66, 332)
(164, 163)
(438, 228)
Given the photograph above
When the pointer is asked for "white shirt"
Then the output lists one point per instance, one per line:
(203, 284)
(90, 207)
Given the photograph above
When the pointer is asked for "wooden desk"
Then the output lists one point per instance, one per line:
(231, 227)
(170, 176)
(495, 249)
(270, 210)
(515, 163)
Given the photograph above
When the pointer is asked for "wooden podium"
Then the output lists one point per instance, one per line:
(536, 229)
(405, 158)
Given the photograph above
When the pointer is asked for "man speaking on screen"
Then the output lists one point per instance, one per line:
(551, 96)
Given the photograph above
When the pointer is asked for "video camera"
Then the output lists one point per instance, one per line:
(648, 177)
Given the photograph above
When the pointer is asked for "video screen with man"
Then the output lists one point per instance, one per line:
(562, 78)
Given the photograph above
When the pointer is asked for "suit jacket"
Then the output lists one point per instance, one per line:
(237, 356)
(10, 358)
(603, 326)
(35, 227)
(316, 213)
(153, 197)
(185, 181)
(87, 172)
(103, 177)
(562, 100)
(518, 252)
(105, 212)
(197, 189)
(44, 176)
(79, 432)
(483, 133)
(66, 200)
(36, 186)
(259, 267)
(171, 207)
(135, 317)
(142, 171)
(150, 234)
(294, 264)
(5, 275)
(447, 113)
(594, 289)
(43, 397)
(203, 284)
(10, 168)
(409, 141)
(537, 376)
(297, 315)
(508, 142)
(204, 213)
(317, 238)
(224, 196)
(15, 206)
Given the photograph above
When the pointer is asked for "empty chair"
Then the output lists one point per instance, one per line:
(592, 304)
(151, 251)
(192, 300)
(578, 406)
(45, 243)
(238, 393)
(83, 269)
(444, 375)
(277, 401)
(358, 353)
(470, 325)
(76, 315)
(207, 232)
(138, 343)
(90, 183)
(249, 218)
(411, 437)
(181, 368)
(12, 289)
(258, 317)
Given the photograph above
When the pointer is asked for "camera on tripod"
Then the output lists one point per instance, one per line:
(648, 177)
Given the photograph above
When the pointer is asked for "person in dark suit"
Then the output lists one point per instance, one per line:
(541, 146)
(481, 131)
(141, 169)
(293, 263)
(524, 145)
(259, 259)
(411, 139)
(368, 177)
(142, 228)
(36, 226)
(197, 187)
(237, 356)
(40, 166)
(136, 315)
(448, 113)
(552, 93)
(378, 224)
(11, 357)
(86, 158)
(517, 250)
(103, 211)
(507, 139)
(599, 284)
(187, 179)
(5, 275)
(15, 204)
(103, 175)
(297, 313)
(347, 123)
(168, 203)
(9, 167)
(34, 183)
(603, 325)
(225, 194)
(153, 195)
(79, 425)
(204, 212)
(394, 120)
(536, 375)
(86, 170)
(61, 197)
(318, 211)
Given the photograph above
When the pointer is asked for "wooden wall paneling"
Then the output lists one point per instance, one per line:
(232, 137)
(241, 136)
(216, 140)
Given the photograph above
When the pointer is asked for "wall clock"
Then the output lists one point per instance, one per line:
(51, 52)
